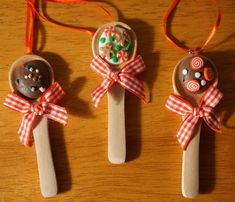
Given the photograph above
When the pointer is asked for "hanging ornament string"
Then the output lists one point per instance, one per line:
(30, 19)
(182, 47)
(47, 21)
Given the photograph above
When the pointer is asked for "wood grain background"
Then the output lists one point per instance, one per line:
(153, 168)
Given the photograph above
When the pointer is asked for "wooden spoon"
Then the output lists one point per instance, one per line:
(46, 169)
(116, 100)
(190, 163)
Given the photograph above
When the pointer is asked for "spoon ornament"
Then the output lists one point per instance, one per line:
(114, 47)
(194, 79)
(34, 93)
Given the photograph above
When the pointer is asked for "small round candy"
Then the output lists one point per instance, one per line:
(31, 69)
(37, 71)
(203, 82)
(193, 86)
(184, 71)
(208, 73)
(196, 63)
(197, 75)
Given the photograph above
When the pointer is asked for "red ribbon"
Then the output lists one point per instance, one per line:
(45, 107)
(211, 34)
(125, 77)
(191, 115)
(30, 18)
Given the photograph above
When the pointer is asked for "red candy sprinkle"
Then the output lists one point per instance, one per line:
(35, 79)
(196, 63)
(40, 76)
(208, 73)
(193, 86)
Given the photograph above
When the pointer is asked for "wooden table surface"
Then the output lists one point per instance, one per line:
(153, 168)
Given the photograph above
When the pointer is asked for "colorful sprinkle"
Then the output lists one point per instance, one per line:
(102, 40)
(26, 77)
(17, 81)
(37, 71)
(27, 67)
(114, 58)
(193, 86)
(196, 63)
(31, 69)
(39, 80)
(30, 76)
(42, 89)
(40, 76)
(35, 79)
(32, 88)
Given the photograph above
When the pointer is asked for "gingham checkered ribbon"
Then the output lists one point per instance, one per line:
(191, 115)
(125, 77)
(45, 107)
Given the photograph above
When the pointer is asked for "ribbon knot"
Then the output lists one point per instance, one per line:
(205, 110)
(45, 107)
(37, 109)
(113, 76)
(125, 77)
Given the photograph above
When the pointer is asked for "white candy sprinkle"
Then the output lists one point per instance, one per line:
(203, 82)
(30, 76)
(31, 69)
(42, 89)
(185, 71)
(32, 89)
(26, 77)
(37, 70)
(197, 75)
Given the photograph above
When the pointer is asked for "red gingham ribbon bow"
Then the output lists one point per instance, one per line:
(45, 107)
(205, 110)
(125, 77)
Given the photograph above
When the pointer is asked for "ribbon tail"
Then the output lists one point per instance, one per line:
(133, 85)
(56, 113)
(100, 91)
(186, 130)
(25, 129)
(213, 122)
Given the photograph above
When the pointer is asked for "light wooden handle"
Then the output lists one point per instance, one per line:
(190, 166)
(116, 125)
(46, 169)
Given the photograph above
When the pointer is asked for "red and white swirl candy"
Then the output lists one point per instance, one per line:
(122, 56)
(109, 31)
(193, 86)
(196, 63)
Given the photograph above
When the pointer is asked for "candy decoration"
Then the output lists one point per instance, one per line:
(196, 63)
(111, 39)
(117, 47)
(35, 79)
(30, 76)
(109, 31)
(203, 82)
(193, 86)
(31, 69)
(122, 56)
(40, 76)
(208, 73)
(27, 67)
(26, 77)
(37, 71)
(107, 50)
(197, 75)
(185, 72)
(102, 40)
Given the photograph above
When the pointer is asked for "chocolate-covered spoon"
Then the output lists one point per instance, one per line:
(106, 47)
(30, 76)
(192, 76)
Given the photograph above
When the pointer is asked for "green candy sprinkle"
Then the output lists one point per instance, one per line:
(39, 80)
(102, 39)
(128, 47)
(111, 39)
(114, 58)
(17, 80)
(117, 47)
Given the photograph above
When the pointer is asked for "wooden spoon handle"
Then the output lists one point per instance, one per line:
(190, 167)
(46, 169)
(116, 125)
